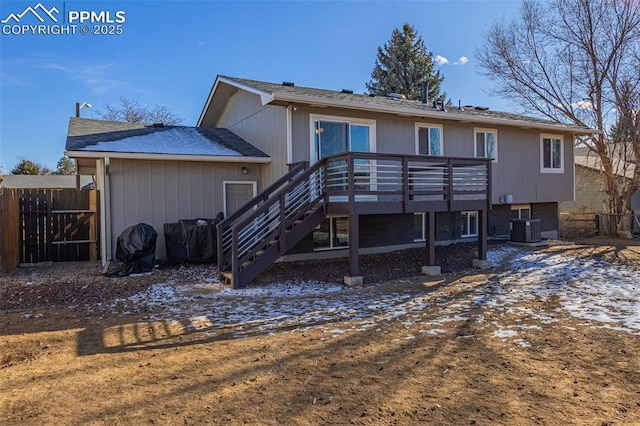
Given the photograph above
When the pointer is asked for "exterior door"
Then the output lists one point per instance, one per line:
(236, 195)
(331, 137)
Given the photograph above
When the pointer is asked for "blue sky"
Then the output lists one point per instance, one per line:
(169, 53)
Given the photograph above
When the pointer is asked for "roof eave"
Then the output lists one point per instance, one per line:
(288, 97)
(265, 96)
(168, 157)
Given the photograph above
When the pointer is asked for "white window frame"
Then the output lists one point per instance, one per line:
(423, 234)
(313, 158)
(466, 215)
(477, 130)
(253, 183)
(331, 235)
(551, 137)
(419, 126)
(520, 207)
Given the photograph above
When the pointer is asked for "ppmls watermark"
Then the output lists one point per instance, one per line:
(41, 20)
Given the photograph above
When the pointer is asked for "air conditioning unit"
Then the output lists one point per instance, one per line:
(526, 230)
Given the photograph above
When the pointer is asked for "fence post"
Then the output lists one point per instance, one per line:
(10, 223)
(93, 225)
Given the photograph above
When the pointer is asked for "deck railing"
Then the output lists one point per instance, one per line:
(416, 181)
(349, 183)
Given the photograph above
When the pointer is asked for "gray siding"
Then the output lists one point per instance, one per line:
(517, 171)
(264, 127)
(159, 192)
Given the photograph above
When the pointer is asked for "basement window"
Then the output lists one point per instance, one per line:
(333, 233)
(469, 225)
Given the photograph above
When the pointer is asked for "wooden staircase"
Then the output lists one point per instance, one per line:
(255, 236)
(348, 184)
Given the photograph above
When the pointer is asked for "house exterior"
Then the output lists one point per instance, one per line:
(368, 173)
(533, 158)
(589, 193)
(161, 174)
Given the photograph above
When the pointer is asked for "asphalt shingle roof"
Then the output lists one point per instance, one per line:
(387, 102)
(86, 134)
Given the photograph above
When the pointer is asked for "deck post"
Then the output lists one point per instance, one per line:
(354, 277)
(481, 262)
(430, 236)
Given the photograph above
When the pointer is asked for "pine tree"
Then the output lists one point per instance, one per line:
(65, 166)
(26, 167)
(403, 65)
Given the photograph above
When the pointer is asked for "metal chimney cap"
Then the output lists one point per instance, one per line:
(396, 96)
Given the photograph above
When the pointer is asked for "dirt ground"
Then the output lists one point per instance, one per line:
(90, 360)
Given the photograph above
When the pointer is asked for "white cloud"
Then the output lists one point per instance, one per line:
(441, 60)
(98, 77)
(14, 80)
(461, 61)
(583, 104)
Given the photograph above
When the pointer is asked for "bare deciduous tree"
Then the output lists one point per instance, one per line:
(132, 111)
(576, 61)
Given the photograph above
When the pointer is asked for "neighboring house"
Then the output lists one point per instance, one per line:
(45, 181)
(423, 172)
(589, 186)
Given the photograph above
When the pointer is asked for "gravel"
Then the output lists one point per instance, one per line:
(82, 283)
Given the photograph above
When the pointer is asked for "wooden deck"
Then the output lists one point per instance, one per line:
(351, 184)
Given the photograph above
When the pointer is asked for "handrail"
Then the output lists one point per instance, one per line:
(276, 195)
(266, 221)
(262, 197)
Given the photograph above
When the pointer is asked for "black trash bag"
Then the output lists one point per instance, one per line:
(136, 248)
(191, 240)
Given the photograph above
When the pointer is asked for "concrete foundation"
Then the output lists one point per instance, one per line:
(431, 270)
(353, 281)
(481, 264)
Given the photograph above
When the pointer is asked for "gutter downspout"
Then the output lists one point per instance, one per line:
(107, 206)
(289, 134)
(102, 167)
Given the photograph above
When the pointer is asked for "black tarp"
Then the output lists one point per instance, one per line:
(136, 249)
(192, 240)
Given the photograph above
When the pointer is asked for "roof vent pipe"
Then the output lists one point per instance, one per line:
(425, 93)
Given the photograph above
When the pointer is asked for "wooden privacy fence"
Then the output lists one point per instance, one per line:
(9, 230)
(586, 224)
(58, 225)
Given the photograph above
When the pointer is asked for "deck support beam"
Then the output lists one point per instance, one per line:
(430, 244)
(354, 277)
(481, 262)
